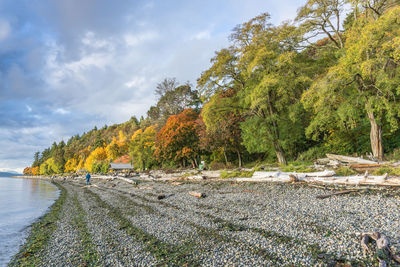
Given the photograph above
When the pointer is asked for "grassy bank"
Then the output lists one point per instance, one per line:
(29, 254)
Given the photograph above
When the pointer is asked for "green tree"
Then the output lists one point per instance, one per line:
(276, 75)
(365, 82)
(222, 122)
(174, 101)
(323, 17)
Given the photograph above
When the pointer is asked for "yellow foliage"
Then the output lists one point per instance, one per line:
(35, 170)
(112, 150)
(99, 154)
(71, 165)
(136, 134)
(81, 164)
(121, 138)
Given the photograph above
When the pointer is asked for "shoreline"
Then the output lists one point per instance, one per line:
(115, 222)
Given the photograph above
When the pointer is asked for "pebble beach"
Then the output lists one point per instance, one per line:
(153, 223)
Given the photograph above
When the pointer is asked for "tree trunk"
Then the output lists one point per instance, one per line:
(376, 137)
(239, 158)
(226, 158)
(279, 154)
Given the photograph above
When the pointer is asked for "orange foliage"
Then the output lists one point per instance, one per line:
(28, 171)
(36, 170)
(178, 139)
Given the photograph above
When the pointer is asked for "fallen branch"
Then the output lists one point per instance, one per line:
(336, 194)
(197, 194)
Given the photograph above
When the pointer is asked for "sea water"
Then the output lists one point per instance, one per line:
(22, 202)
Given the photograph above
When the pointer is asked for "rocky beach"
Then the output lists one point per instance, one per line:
(114, 222)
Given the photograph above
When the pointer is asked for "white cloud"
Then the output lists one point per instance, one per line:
(202, 35)
(61, 111)
(28, 108)
(136, 82)
(136, 39)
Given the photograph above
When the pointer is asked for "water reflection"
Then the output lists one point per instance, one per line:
(22, 201)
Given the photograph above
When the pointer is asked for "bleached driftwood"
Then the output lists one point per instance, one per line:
(325, 177)
(283, 176)
(126, 180)
(351, 160)
(196, 177)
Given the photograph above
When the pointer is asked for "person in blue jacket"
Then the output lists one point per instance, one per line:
(87, 178)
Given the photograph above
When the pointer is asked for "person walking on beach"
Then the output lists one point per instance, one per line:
(87, 178)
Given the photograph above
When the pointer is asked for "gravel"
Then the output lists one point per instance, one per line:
(255, 224)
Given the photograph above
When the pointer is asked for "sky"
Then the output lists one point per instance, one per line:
(69, 65)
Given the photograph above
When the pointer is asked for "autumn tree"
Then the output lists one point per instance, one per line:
(142, 147)
(27, 171)
(96, 156)
(71, 165)
(112, 149)
(178, 141)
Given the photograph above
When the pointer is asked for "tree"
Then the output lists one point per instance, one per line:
(71, 165)
(27, 171)
(142, 147)
(112, 149)
(35, 170)
(372, 8)
(223, 74)
(173, 102)
(222, 122)
(36, 159)
(97, 155)
(323, 17)
(178, 141)
(365, 81)
(167, 85)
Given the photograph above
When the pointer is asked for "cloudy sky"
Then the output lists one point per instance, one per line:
(68, 65)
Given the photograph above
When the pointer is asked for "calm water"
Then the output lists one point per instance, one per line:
(22, 201)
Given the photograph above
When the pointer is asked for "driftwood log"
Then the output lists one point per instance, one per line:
(336, 194)
(351, 160)
(197, 194)
(383, 250)
(293, 178)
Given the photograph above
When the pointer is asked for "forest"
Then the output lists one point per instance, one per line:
(326, 82)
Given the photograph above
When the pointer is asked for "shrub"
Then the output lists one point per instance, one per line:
(298, 167)
(388, 170)
(312, 154)
(232, 174)
(345, 171)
